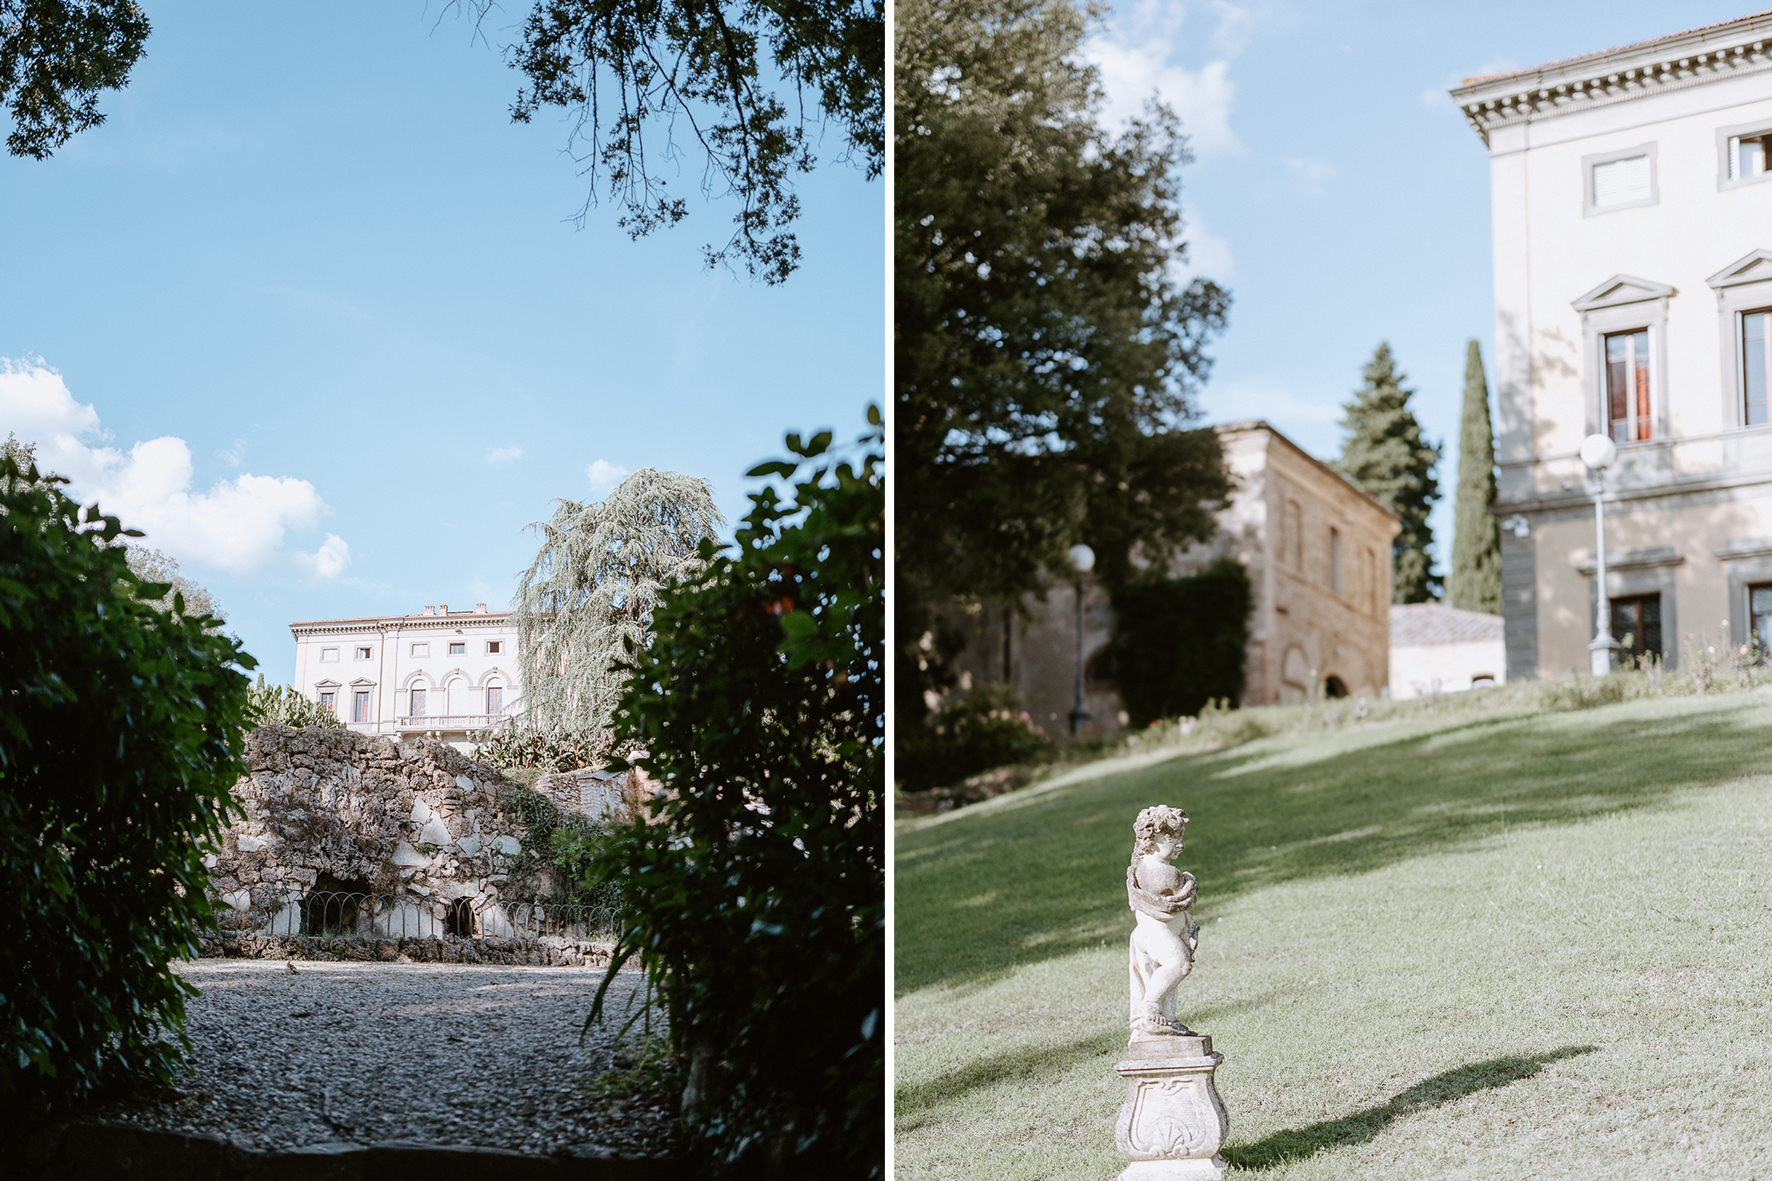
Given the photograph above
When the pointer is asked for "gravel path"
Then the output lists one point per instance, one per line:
(365, 1052)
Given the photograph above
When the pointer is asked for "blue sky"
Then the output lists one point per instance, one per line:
(1338, 192)
(314, 310)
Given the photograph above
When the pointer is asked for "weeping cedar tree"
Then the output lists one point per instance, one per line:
(1475, 582)
(1046, 354)
(120, 741)
(729, 79)
(55, 58)
(1386, 454)
(593, 588)
(754, 894)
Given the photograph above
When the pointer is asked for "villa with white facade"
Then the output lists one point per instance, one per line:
(440, 673)
(1631, 196)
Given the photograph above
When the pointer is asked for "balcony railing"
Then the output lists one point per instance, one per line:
(450, 721)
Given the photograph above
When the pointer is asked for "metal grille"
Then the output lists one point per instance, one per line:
(350, 915)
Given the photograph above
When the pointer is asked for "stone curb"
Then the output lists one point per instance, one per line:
(124, 1152)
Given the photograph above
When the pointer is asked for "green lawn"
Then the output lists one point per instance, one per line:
(1504, 947)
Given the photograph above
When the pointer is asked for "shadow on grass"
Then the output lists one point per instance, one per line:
(1295, 1144)
(1021, 1065)
(981, 895)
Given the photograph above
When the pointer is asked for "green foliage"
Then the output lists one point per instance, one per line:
(524, 745)
(593, 589)
(55, 57)
(283, 706)
(1475, 581)
(575, 849)
(152, 566)
(1181, 642)
(121, 737)
(626, 68)
(1386, 454)
(1046, 353)
(754, 892)
(985, 728)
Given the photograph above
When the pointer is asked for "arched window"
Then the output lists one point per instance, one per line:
(495, 700)
(418, 703)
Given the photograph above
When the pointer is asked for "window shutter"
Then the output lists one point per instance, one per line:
(1621, 182)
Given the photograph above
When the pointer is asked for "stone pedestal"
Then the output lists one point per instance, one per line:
(1173, 1123)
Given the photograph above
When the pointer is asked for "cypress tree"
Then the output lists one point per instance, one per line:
(1475, 581)
(1386, 454)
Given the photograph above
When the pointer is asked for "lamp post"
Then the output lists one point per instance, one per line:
(1083, 561)
(1598, 452)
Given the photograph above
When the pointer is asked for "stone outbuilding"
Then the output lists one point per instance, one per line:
(1440, 649)
(1318, 552)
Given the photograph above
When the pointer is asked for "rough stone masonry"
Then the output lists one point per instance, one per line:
(334, 814)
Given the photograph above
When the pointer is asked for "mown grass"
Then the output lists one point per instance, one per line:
(1439, 946)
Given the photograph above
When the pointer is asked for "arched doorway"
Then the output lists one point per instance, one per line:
(1334, 686)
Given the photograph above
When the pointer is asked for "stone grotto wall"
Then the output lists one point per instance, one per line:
(336, 812)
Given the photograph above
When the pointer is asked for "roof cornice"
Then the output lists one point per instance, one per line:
(1694, 58)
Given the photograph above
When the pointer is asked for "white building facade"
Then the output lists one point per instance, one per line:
(440, 673)
(1632, 227)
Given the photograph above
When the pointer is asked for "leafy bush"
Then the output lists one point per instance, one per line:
(521, 745)
(754, 892)
(284, 706)
(1181, 642)
(985, 728)
(120, 741)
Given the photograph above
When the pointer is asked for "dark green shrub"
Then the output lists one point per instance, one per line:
(985, 728)
(120, 741)
(1181, 642)
(754, 892)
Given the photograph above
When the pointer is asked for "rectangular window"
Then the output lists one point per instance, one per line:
(1292, 545)
(329, 702)
(329, 655)
(1747, 155)
(458, 649)
(360, 706)
(1756, 364)
(1759, 606)
(362, 653)
(418, 703)
(494, 647)
(1621, 182)
(421, 649)
(1627, 386)
(495, 700)
(1637, 622)
(1334, 559)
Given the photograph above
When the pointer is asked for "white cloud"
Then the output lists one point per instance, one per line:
(1208, 254)
(1138, 54)
(329, 560)
(238, 525)
(1308, 174)
(235, 455)
(605, 475)
(498, 455)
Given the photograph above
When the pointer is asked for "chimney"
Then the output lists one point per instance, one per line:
(430, 608)
(479, 608)
(442, 608)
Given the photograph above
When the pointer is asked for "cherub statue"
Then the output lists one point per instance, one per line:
(1164, 934)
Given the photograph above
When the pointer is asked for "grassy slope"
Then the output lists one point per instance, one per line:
(1521, 946)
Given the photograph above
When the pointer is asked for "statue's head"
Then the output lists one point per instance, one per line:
(1157, 821)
